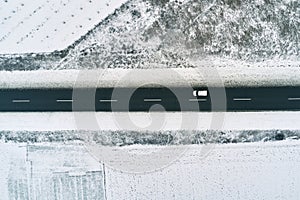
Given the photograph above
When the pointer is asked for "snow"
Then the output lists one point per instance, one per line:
(169, 33)
(49, 171)
(219, 75)
(230, 121)
(12, 157)
(143, 34)
(263, 170)
(46, 26)
(254, 44)
(234, 171)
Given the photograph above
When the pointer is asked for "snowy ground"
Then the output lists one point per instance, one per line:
(237, 171)
(263, 170)
(46, 26)
(234, 75)
(251, 43)
(55, 121)
(145, 33)
(49, 171)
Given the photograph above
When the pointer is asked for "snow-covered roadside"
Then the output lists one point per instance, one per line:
(56, 121)
(229, 76)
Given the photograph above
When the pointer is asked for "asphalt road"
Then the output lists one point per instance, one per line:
(155, 99)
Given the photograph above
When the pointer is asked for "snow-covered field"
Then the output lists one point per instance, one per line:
(45, 26)
(263, 170)
(236, 171)
(49, 171)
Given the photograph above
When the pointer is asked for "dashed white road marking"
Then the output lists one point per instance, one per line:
(152, 100)
(146, 100)
(242, 99)
(294, 99)
(64, 100)
(197, 99)
(108, 100)
(21, 101)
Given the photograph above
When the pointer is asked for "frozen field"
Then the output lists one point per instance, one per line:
(263, 170)
(46, 26)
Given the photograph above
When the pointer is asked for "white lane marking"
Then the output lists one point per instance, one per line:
(152, 100)
(294, 99)
(21, 101)
(108, 100)
(197, 99)
(242, 99)
(64, 100)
